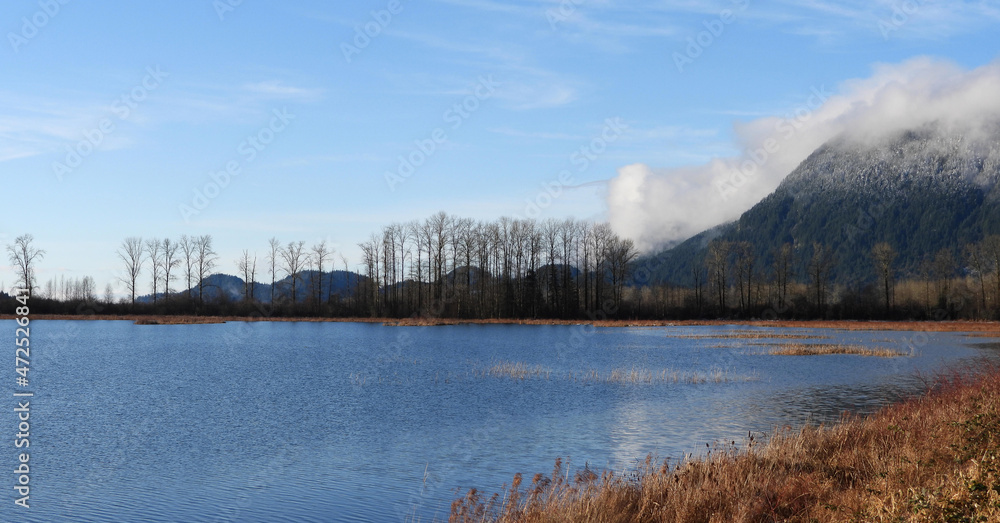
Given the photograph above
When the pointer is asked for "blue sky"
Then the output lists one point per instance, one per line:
(503, 96)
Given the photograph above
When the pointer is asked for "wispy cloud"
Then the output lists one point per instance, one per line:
(920, 20)
(523, 85)
(51, 120)
(276, 89)
(33, 125)
(612, 24)
(536, 135)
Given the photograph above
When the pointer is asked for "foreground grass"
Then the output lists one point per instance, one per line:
(934, 458)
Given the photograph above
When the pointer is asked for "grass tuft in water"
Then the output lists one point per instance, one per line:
(517, 370)
(808, 349)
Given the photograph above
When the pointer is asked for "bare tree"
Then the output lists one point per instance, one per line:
(718, 266)
(295, 259)
(370, 254)
(819, 271)
(944, 268)
(205, 261)
(783, 261)
(699, 283)
(168, 262)
(188, 250)
(621, 253)
(248, 268)
(88, 290)
(440, 226)
(131, 254)
(153, 248)
(745, 259)
(883, 255)
(23, 256)
(272, 259)
(991, 252)
(320, 253)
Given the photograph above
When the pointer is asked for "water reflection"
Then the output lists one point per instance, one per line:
(359, 422)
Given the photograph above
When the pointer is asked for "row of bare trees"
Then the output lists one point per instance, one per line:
(732, 280)
(453, 266)
(193, 257)
(739, 282)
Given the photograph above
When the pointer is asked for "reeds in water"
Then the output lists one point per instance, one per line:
(808, 349)
(618, 376)
(515, 370)
(640, 376)
(750, 335)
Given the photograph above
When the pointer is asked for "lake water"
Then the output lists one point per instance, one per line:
(363, 422)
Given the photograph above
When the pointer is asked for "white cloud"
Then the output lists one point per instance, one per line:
(277, 89)
(654, 206)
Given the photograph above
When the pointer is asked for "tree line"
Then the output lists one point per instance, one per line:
(449, 266)
(736, 281)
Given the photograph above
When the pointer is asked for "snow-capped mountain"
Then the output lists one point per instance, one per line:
(921, 191)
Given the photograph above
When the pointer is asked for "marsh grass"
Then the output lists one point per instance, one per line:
(516, 370)
(177, 320)
(933, 458)
(808, 349)
(639, 376)
(750, 335)
(982, 334)
(620, 376)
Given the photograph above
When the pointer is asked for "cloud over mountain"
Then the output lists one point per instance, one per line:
(657, 206)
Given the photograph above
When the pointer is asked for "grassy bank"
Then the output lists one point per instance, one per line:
(934, 458)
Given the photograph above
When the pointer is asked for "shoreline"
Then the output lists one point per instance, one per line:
(992, 327)
(933, 457)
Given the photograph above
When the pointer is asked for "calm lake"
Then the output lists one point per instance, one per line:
(363, 422)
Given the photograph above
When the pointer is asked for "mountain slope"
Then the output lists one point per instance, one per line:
(335, 283)
(920, 191)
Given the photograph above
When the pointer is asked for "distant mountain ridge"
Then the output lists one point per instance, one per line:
(224, 286)
(921, 191)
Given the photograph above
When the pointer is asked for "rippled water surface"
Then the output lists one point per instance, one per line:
(362, 422)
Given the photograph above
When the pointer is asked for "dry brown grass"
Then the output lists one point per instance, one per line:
(750, 336)
(178, 320)
(934, 458)
(822, 349)
(419, 322)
